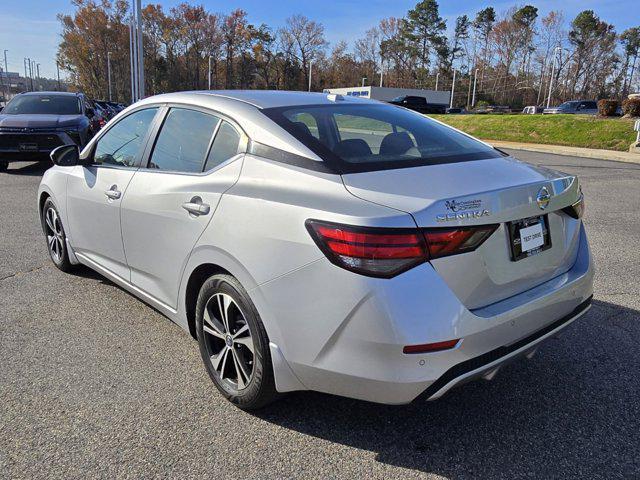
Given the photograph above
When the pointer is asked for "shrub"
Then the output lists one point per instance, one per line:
(631, 107)
(607, 108)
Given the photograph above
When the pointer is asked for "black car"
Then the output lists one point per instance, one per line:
(33, 124)
(418, 104)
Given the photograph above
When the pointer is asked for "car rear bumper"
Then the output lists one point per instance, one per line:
(346, 337)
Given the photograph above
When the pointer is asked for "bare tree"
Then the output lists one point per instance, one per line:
(304, 39)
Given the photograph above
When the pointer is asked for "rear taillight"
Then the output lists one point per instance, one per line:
(451, 241)
(377, 252)
(577, 209)
(386, 252)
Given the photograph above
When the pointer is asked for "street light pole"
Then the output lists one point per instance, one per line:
(553, 71)
(58, 73)
(24, 62)
(6, 77)
(363, 80)
(310, 63)
(453, 88)
(381, 69)
(109, 72)
(30, 72)
(133, 62)
(38, 70)
(140, 50)
(209, 77)
(437, 78)
(475, 79)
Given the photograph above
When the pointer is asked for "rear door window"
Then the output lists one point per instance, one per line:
(226, 145)
(183, 141)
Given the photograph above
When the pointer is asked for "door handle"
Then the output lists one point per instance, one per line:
(113, 193)
(196, 207)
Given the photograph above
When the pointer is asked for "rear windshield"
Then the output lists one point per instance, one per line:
(366, 137)
(43, 104)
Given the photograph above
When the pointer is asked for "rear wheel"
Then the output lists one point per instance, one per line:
(4, 166)
(56, 238)
(234, 344)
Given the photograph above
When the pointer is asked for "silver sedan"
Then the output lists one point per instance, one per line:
(320, 242)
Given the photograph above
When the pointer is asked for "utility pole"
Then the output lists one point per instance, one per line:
(209, 77)
(38, 70)
(553, 71)
(133, 62)
(30, 72)
(475, 79)
(109, 72)
(136, 53)
(6, 77)
(58, 72)
(381, 69)
(469, 91)
(6, 68)
(140, 50)
(453, 88)
(437, 78)
(310, 63)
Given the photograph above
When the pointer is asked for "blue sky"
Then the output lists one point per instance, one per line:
(30, 28)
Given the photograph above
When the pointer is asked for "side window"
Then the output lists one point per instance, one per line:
(183, 141)
(306, 123)
(121, 144)
(225, 146)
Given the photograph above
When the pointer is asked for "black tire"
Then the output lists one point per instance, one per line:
(55, 236)
(4, 166)
(260, 388)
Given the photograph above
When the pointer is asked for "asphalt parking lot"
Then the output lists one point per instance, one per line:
(94, 383)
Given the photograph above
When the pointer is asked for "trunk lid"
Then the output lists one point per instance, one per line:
(493, 191)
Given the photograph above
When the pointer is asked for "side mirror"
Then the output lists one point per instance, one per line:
(90, 112)
(66, 156)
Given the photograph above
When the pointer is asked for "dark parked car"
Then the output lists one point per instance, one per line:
(418, 104)
(33, 124)
(584, 107)
(456, 110)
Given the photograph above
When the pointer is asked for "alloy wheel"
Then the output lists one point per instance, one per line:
(229, 341)
(55, 234)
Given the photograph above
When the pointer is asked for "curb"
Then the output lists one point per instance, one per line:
(570, 151)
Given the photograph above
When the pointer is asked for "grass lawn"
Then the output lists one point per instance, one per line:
(571, 130)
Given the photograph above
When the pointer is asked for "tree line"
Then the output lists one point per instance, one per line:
(511, 56)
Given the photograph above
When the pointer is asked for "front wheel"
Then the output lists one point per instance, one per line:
(4, 166)
(234, 344)
(56, 238)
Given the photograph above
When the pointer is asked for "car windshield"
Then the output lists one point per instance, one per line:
(355, 138)
(43, 104)
(399, 99)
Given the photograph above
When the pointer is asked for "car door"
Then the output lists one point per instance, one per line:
(170, 201)
(95, 192)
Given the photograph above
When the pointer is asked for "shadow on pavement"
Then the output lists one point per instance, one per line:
(571, 411)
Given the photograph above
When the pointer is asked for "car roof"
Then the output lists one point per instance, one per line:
(261, 98)
(244, 107)
(65, 94)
